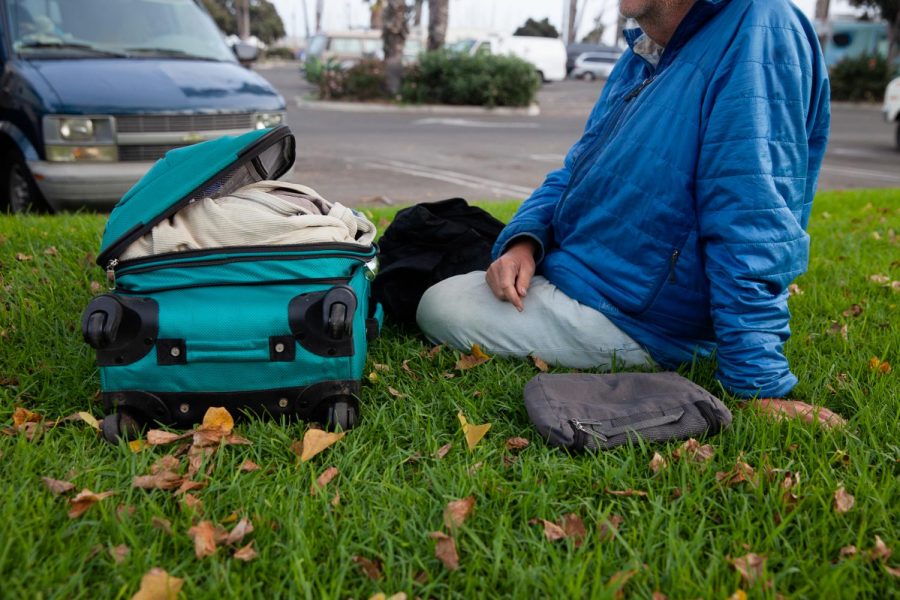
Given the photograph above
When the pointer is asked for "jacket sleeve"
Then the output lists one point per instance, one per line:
(751, 200)
(534, 217)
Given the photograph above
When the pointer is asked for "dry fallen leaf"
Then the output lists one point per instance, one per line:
(658, 596)
(435, 351)
(880, 551)
(879, 366)
(473, 433)
(892, 571)
(540, 363)
(457, 511)
(84, 500)
(217, 425)
(848, 551)
(336, 500)
(119, 553)
(239, 532)
(749, 566)
(854, 311)
(21, 416)
(157, 437)
(316, 440)
(469, 361)
(156, 584)
(204, 536)
(574, 528)
(552, 531)
(85, 417)
(442, 451)
(445, 550)
(515, 444)
(138, 446)
(22, 257)
(161, 523)
(692, 451)
(879, 278)
(412, 374)
(609, 527)
(788, 485)
(324, 479)
(192, 502)
(742, 472)
(371, 568)
(787, 409)
(628, 492)
(794, 290)
(248, 466)
(658, 463)
(58, 486)
(839, 329)
(843, 501)
(162, 475)
(618, 581)
(246, 553)
(396, 394)
(738, 595)
(381, 367)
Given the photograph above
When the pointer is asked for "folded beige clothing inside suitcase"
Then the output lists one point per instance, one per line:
(267, 213)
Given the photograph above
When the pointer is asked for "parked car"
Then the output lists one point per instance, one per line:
(347, 48)
(595, 65)
(93, 92)
(892, 106)
(576, 49)
(548, 55)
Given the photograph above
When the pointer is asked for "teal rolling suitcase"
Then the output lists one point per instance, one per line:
(274, 330)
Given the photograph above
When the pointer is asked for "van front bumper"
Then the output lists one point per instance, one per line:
(93, 185)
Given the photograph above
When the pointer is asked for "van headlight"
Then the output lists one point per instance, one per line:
(267, 119)
(79, 138)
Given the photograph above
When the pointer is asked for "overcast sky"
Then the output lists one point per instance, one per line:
(492, 15)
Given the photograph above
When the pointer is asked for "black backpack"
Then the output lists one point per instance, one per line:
(427, 243)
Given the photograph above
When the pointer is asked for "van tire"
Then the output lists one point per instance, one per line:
(18, 192)
(543, 79)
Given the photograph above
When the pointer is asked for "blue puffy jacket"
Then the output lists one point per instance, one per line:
(681, 212)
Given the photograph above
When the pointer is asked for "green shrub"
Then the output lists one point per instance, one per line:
(447, 77)
(280, 53)
(363, 81)
(864, 78)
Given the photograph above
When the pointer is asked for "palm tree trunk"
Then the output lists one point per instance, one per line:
(394, 32)
(438, 14)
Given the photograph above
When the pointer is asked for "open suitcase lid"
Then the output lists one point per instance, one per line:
(207, 170)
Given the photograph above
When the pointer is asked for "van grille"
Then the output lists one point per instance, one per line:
(145, 152)
(185, 123)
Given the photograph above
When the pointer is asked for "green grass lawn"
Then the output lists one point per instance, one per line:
(679, 538)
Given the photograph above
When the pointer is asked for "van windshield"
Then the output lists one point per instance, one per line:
(126, 28)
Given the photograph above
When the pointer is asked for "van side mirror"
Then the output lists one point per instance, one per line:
(245, 53)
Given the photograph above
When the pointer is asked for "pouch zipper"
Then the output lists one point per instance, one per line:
(579, 426)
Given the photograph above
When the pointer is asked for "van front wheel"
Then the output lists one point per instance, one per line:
(19, 192)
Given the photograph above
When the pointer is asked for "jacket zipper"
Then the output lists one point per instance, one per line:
(611, 128)
(672, 263)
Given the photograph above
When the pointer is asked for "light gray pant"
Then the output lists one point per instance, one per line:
(462, 311)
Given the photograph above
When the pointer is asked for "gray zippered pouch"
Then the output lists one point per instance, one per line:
(590, 412)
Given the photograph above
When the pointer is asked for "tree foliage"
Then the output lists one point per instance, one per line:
(887, 8)
(542, 28)
(265, 23)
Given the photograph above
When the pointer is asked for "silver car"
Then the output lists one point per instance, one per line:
(595, 65)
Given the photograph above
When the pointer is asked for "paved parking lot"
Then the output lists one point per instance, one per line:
(360, 157)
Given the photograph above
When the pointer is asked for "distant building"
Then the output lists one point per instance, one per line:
(850, 38)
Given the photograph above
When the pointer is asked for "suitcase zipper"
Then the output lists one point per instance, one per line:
(130, 270)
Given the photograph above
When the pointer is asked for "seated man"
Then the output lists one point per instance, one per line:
(678, 219)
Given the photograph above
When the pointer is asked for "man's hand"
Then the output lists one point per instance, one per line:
(510, 275)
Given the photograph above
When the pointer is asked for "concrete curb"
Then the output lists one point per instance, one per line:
(418, 109)
(870, 106)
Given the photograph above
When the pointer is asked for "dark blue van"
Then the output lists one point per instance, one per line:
(92, 92)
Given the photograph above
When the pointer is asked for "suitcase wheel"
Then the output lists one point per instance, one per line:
(341, 415)
(119, 425)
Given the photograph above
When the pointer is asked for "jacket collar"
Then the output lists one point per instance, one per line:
(699, 14)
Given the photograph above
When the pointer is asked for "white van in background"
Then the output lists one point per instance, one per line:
(548, 55)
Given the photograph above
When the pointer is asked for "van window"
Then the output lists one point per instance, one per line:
(842, 40)
(130, 27)
(346, 46)
(317, 45)
(372, 46)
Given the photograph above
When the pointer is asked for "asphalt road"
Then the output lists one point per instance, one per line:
(392, 158)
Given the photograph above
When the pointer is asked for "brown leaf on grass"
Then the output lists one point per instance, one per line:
(749, 566)
(197, 456)
(788, 485)
(609, 527)
(189, 486)
(204, 536)
(839, 329)
(405, 367)
(877, 278)
(119, 553)
(435, 351)
(95, 287)
(442, 451)
(692, 451)
(22, 416)
(138, 446)
(457, 511)
(628, 492)
(618, 581)
(158, 437)
(239, 532)
(162, 476)
(84, 500)
(879, 366)
(124, 511)
(470, 361)
(445, 550)
(552, 531)
(316, 440)
(336, 500)
(163, 524)
(848, 551)
(792, 409)
(658, 596)
(381, 367)
(473, 433)
(854, 311)
(58, 486)
(742, 472)
(22, 257)
(396, 394)
(574, 528)
(371, 568)
(540, 363)
(880, 551)
(515, 444)
(156, 584)
(658, 463)
(85, 417)
(51, 251)
(843, 501)
(738, 595)
(892, 571)
(217, 425)
(324, 479)
(248, 466)
(246, 553)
